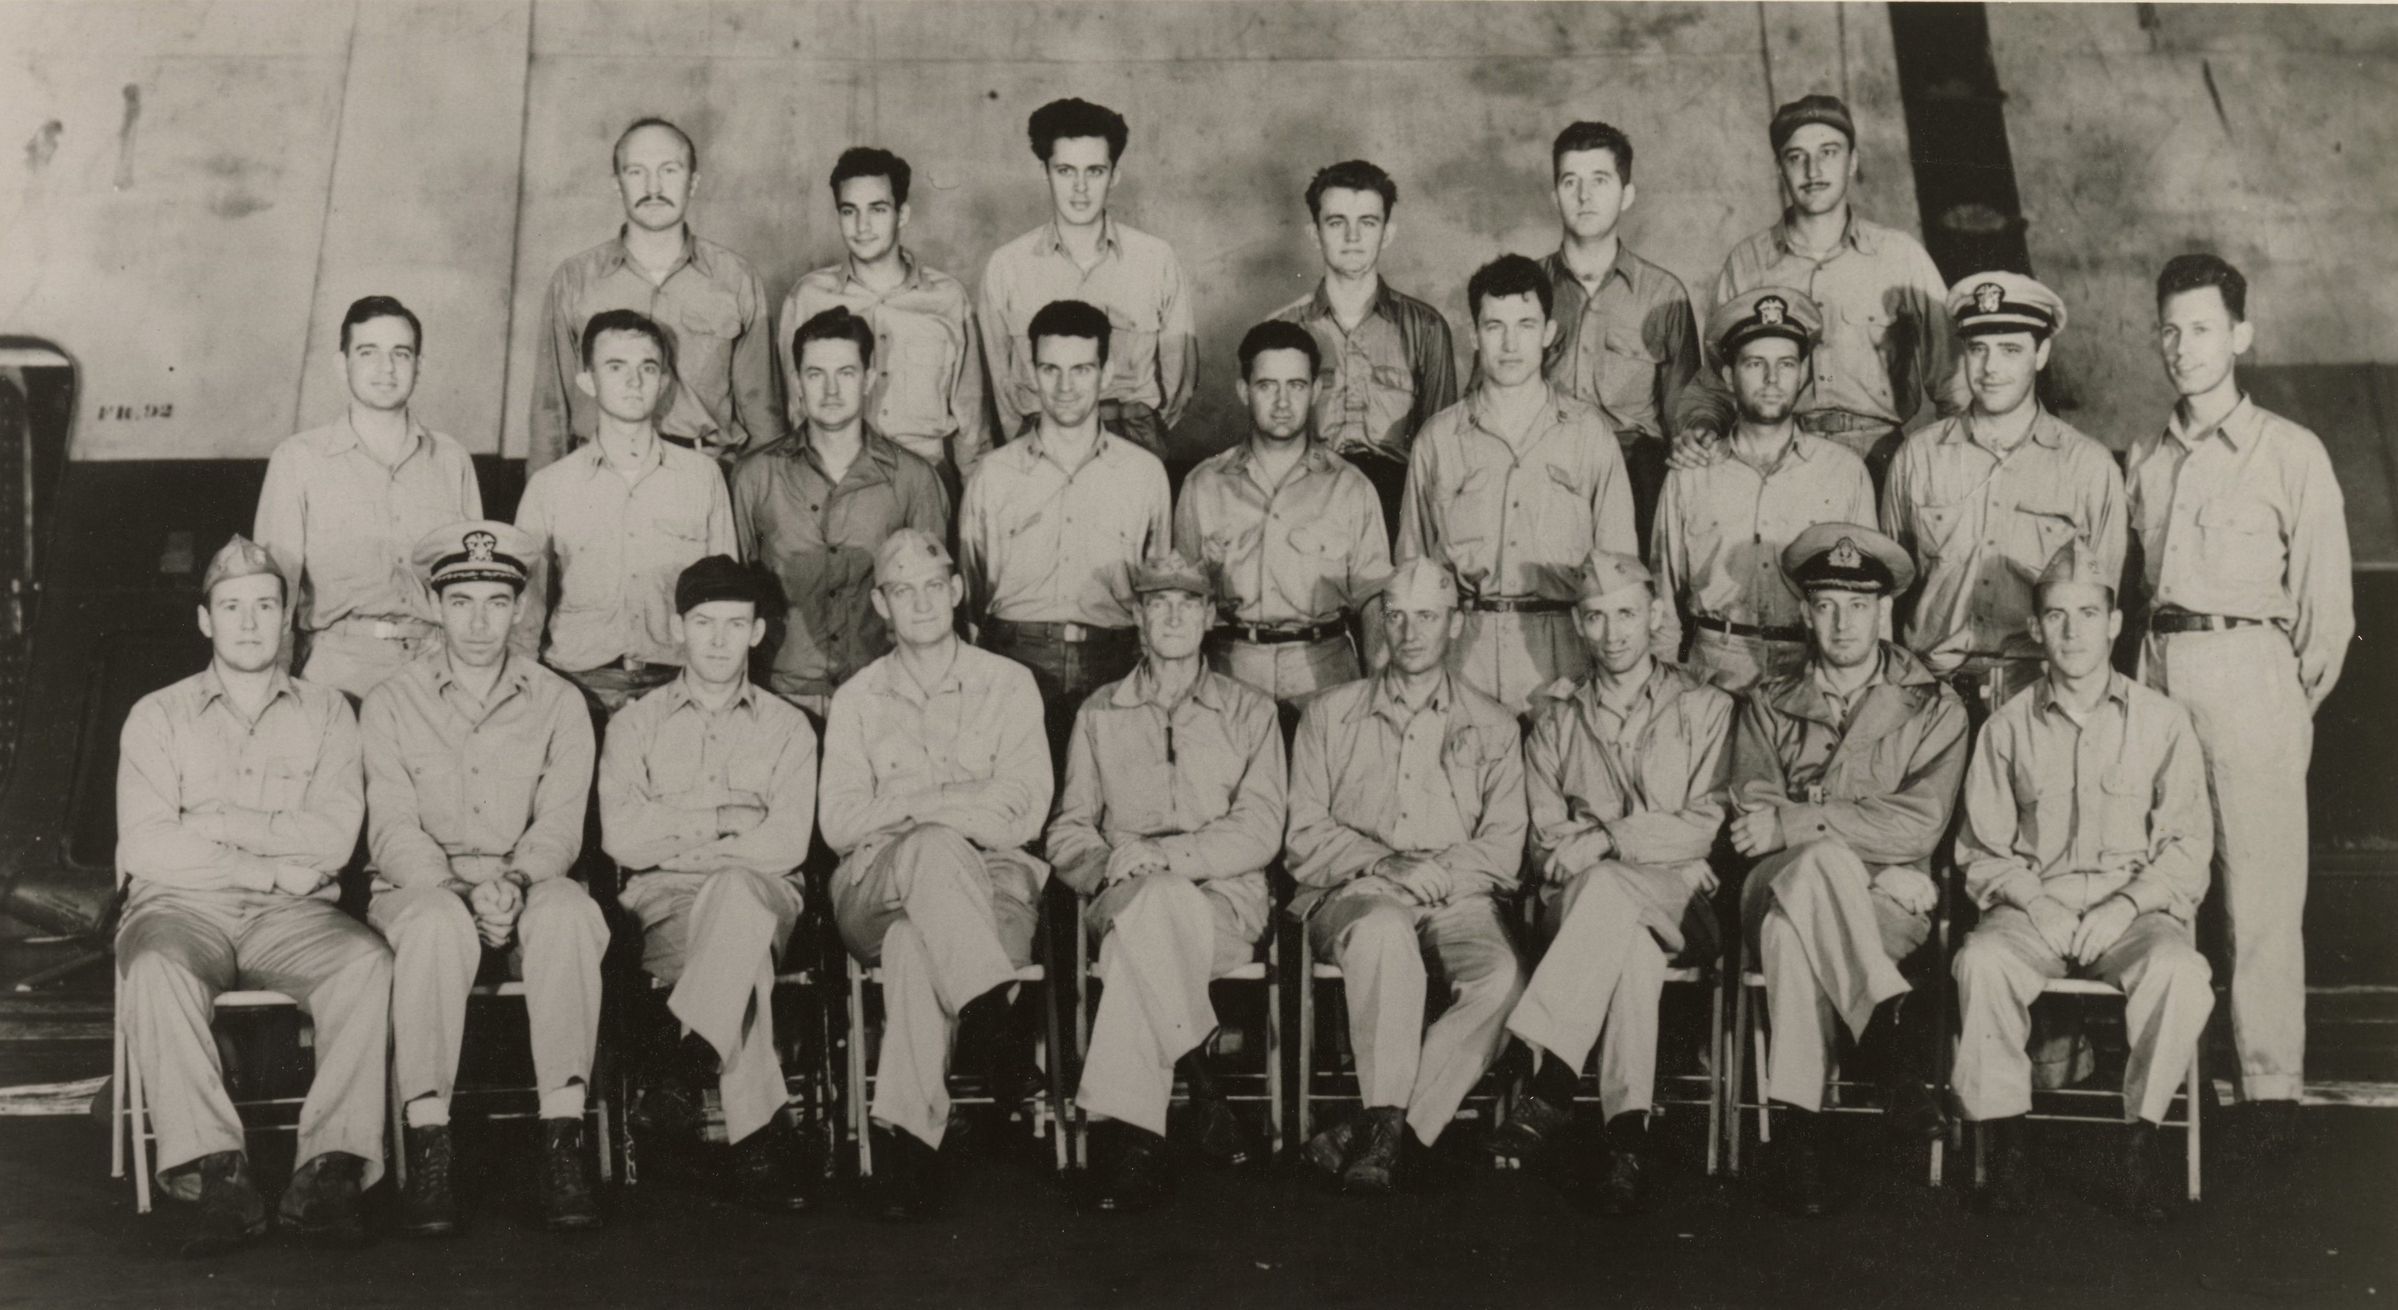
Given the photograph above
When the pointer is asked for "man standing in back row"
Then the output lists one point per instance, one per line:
(1084, 253)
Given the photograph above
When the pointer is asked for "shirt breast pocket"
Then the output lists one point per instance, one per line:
(282, 785)
(436, 776)
(712, 315)
(1939, 523)
(1869, 324)
(1131, 349)
(1394, 379)
(2042, 531)
(751, 778)
(2241, 540)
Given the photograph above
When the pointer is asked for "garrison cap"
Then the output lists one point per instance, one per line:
(1847, 557)
(1831, 111)
(721, 577)
(1764, 312)
(1170, 570)
(1607, 572)
(907, 544)
(239, 557)
(477, 550)
(2076, 561)
(2005, 302)
(1422, 571)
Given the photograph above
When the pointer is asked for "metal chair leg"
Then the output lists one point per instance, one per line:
(1306, 975)
(138, 1124)
(1280, 1134)
(1715, 1074)
(2195, 1091)
(116, 1090)
(1081, 953)
(1735, 1072)
(861, 1134)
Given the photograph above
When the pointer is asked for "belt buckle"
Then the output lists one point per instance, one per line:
(1072, 633)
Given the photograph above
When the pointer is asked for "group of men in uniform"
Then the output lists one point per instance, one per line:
(1840, 623)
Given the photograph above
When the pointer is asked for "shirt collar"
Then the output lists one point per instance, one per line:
(1320, 304)
(1314, 456)
(912, 276)
(1100, 449)
(342, 435)
(1054, 240)
(1141, 689)
(1857, 234)
(618, 254)
(212, 687)
(1384, 698)
(2118, 690)
(2237, 428)
(515, 672)
(2046, 429)
(877, 456)
(1619, 268)
(595, 458)
(680, 695)
(897, 681)
(1478, 408)
(1650, 689)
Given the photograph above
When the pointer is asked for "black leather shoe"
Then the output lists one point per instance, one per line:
(1373, 1168)
(2148, 1182)
(903, 1187)
(1136, 1177)
(1800, 1168)
(322, 1202)
(1328, 1151)
(428, 1208)
(1533, 1122)
(1619, 1192)
(770, 1172)
(2010, 1184)
(568, 1201)
(1218, 1133)
(228, 1212)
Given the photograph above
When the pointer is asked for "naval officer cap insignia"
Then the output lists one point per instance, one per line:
(477, 550)
(1764, 312)
(2005, 302)
(239, 557)
(1847, 557)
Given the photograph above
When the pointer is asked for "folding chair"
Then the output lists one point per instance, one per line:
(602, 1102)
(1050, 1112)
(2191, 1093)
(129, 1114)
(1245, 1088)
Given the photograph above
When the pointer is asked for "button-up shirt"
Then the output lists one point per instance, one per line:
(1371, 777)
(2114, 804)
(1152, 351)
(1042, 543)
(341, 524)
(607, 551)
(1517, 518)
(928, 387)
(1653, 777)
(462, 788)
(1983, 523)
(2245, 519)
(1630, 347)
(671, 762)
(1878, 775)
(1384, 377)
(819, 536)
(1300, 553)
(212, 799)
(1720, 530)
(1202, 778)
(712, 307)
(968, 753)
(1887, 344)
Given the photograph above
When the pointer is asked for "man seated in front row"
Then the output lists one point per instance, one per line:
(1407, 831)
(936, 776)
(1173, 807)
(1843, 776)
(478, 768)
(238, 799)
(1625, 778)
(707, 800)
(2086, 843)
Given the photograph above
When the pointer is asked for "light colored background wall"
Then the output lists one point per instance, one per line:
(289, 157)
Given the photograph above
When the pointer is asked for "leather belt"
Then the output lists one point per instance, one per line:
(1257, 634)
(2172, 621)
(1821, 421)
(1747, 629)
(1517, 605)
(1072, 634)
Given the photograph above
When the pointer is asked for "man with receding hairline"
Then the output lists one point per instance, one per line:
(708, 299)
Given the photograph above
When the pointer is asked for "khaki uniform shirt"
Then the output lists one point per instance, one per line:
(1517, 519)
(1879, 775)
(1152, 352)
(1629, 348)
(1202, 778)
(1982, 525)
(1041, 543)
(1887, 342)
(1370, 778)
(2245, 519)
(2084, 811)
(341, 525)
(607, 553)
(1654, 778)
(820, 537)
(1720, 530)
(1300, 553)
(461, 789)
(928, 388)
(713, 309)
(211, 800)
(1382, 379)
(671, 761)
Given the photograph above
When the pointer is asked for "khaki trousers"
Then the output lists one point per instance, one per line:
(2003, 964)
(947, 923)
(349, 657)
(1507, 657)
(176, 950)
(1613, 929)
(1161, 938)
(1829, 944)
(2242, 691)
(1287, 671)
(1387, 947)
(1737, 663)
(560, 937)
(715, 938)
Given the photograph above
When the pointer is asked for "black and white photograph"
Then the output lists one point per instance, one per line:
(960, 653)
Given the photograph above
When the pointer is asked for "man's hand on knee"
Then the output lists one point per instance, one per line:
(2101, 928)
